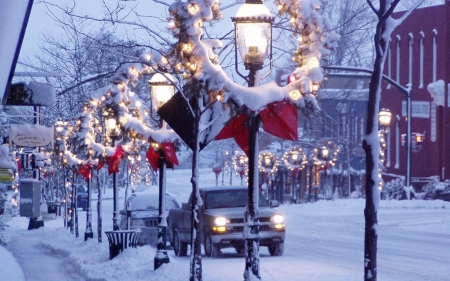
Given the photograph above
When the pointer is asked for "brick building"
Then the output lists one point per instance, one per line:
(419, 55)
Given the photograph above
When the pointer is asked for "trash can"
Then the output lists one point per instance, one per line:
(119, 240)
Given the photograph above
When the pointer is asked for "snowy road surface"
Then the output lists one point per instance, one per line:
(324, 242)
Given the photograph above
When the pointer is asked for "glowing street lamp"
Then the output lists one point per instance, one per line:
(161, 89)
(253, 39)
(384, 118)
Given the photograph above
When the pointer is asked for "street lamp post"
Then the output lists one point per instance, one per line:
(162, 89)
(253, 35)
(113, 131)
(88, 232)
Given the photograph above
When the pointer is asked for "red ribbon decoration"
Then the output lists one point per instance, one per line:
(280, 119)
(100, 164)
(85, 171)
(19, 167)
(170, 153)
(237, 129)
(152, 157)
(114, 161)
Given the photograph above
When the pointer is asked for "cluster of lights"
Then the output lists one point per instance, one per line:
(295, 159)
(268, 162)
(240, 164)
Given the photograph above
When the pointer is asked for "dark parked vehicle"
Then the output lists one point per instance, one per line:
(82, 197)
(143, 214)
(223, 222)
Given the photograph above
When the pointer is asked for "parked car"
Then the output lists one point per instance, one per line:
(143, 211)
(82, 197)
(223, 222)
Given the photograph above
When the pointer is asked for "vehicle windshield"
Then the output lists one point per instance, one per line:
(151, 203)
(233, 198)
(81, 188)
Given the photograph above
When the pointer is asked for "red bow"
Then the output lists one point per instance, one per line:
(152, 157)
(100, 164)
(169, 152)
(85, 170)
(114, 161)
(279, 119)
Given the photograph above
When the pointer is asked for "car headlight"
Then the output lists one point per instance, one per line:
(278, 219)
(220, 221)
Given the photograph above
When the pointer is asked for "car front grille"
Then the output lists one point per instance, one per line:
(237, 221)
(151, 222)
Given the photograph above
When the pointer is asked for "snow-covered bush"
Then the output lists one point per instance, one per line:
(435, 189)
(393, 189)
(2, 228)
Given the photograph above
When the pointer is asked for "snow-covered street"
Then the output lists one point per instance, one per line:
(324, 241)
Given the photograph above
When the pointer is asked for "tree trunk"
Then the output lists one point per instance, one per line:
(196, 235)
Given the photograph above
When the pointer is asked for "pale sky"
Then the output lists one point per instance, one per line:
(40, 21)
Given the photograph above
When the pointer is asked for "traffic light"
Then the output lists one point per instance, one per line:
(418, 138)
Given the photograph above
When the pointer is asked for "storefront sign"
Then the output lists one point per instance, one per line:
(30, 135)
(419, 109)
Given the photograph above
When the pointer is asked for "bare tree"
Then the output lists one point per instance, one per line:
(371, 144)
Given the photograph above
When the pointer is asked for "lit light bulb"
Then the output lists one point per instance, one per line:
(193, 8)
(295, 95)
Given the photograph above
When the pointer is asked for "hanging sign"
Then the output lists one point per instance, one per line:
(30, 135)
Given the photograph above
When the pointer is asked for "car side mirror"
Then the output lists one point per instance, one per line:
(274, 203)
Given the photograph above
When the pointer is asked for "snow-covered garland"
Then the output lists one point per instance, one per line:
(118, 101)
(194, 58)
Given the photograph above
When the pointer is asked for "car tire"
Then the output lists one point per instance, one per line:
(211, 250)
(179, 247)
(276, 249)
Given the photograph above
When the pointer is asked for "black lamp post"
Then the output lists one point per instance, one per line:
(253, 35)
(162, 89)
(88, 232)
(113, 131)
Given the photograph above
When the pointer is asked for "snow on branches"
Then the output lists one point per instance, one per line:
(115, 101)
(195, 59)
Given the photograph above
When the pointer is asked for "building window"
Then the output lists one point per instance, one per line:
(389, 64)
(397, 70)
(422, 35)
(434, 54)
(397, 143)
(410, 58)
(361, 128)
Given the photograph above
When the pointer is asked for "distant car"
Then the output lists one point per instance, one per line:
(143, 212)
(82, 197)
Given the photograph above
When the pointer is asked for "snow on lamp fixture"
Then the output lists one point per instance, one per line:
(384, 117)
(161, 88)
(253, 32)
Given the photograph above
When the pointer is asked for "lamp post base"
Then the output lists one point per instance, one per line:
(88, 235)
(161, 258)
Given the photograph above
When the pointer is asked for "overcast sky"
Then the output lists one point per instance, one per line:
(40, 21)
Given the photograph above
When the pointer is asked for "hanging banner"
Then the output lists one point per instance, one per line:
(31, 135)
